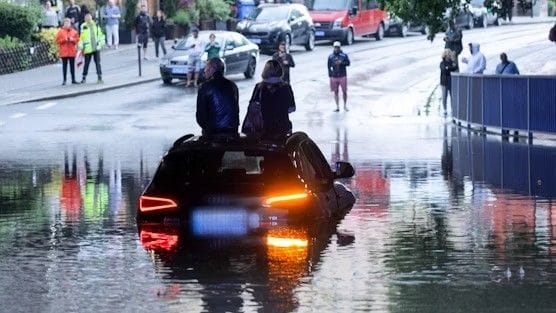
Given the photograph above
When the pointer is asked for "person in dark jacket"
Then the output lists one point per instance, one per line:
(84, 11)
(453, 40)
(277, 101)
(217, 102)
(142, 25)
(285, 59)
(159, 32)
(337, 62)
(506, 66)
(73, 13)
(447, 67)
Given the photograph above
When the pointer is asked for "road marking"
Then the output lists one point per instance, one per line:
(18, 115)
(45, 106)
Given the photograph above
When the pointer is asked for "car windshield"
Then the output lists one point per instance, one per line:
(270, 14)
(204, 37)
(330, 5)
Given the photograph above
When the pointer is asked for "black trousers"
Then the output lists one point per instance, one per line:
(159, 41)
(96, 56)
(71, 61)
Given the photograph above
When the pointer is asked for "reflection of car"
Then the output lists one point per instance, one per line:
(481, 15)
(200, 177)
(269, 24)
(344, 19)
(239, 55)
(397, 27)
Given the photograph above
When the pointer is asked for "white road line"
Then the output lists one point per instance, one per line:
(45, 106)
(18, 115)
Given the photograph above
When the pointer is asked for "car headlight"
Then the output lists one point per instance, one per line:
(337, 23)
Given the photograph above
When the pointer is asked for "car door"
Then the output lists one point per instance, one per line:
(297, 27)
(373, 12)
(230, 56)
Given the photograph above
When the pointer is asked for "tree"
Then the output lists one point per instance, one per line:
(433, 13)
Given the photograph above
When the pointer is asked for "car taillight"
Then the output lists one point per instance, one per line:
(286, 198)
(149, 204)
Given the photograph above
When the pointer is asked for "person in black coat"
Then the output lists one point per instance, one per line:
(285, 59)
(447, 67)
(159, 31)
(217, 102)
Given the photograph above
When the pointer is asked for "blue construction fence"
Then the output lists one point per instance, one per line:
(508, 102)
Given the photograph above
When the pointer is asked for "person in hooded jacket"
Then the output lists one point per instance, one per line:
(477, 63)
(447, 67)
(217, 102)
(67, 39)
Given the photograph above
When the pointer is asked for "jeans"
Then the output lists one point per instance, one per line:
(159, 41)
(96, 56)
(112, 32)
(71, 61)
(445, 91)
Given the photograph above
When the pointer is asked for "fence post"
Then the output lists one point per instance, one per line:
(529, 133)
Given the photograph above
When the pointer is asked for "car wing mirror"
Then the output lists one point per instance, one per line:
(343, 170)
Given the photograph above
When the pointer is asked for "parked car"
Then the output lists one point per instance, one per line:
(345, 19)
(239, 55)
(247, 175)
(464, 18)
(269, 24)
(481, 15)
(398, 27)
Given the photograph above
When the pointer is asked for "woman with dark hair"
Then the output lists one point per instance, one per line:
(277, 101)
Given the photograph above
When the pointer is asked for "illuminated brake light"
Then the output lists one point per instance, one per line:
(284, 198)
(286, 242)
(147, 204)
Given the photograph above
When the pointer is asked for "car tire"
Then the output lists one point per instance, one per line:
(380, 32)
(251, 68)
(310, 45)
(167, 80)
(497, 21)
(402, 30)
(348, 39)
(424, 30)
(484, 21)
(470, 22)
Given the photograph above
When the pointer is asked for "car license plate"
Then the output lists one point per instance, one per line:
(255, 40)
(179, 70)
(319, 33)
(220, 221)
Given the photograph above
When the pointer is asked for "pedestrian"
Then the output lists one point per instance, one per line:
(447, 67)
(213, 47)
(142, 25)
(337, 63)
(49, 17)
(276, 100)
(159, 32)
(477, 63)
(552, 33)
(285, 59)
(505, 66)
(84, 11)
(453, 41)
(73, 13)
(508, 6)
(91, 42)
(111, 15)
(67, 39)
(217, 102)
(195, 48)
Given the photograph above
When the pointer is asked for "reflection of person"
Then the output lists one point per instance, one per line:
(277, 101)
(285, 59)
(447, 66)
(112, 16)
(91, 42)
(453, 41)
(195, 48)
(217, 102)
(212, 48)
(337, 62)
(67, 39)
(505, 66)
(159, 32)
(477, 63)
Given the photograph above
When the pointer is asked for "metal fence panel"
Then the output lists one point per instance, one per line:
(515, 158)
(463, 96)
(454, 98)
(514, 103)
(542, 99)
(476, 101)
(491, 101)
(543, 171)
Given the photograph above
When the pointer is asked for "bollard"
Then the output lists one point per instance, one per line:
(139, 57)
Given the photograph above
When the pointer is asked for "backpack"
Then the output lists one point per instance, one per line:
(552, 34)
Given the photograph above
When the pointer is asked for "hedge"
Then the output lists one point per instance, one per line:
(21, 58)
(18, 21)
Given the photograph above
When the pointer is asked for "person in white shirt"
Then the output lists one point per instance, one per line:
(196, 48)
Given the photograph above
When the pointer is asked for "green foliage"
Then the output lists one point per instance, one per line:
(130, 14)
(19, 21)
(49, 36)
(186, 17)
(8, 42)
(169, 7)
(213, 10)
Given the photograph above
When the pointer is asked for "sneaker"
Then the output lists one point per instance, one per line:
(64, 83)
(337, 110)
(346, 109)
(99, 81)
(83, 81)
(74, 82)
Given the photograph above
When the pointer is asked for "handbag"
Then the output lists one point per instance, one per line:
(253, 121)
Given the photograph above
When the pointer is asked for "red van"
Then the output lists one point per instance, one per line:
(344, 19)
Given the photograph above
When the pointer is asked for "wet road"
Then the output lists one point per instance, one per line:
(444, 221)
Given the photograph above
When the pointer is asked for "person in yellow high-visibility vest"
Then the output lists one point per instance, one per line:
(91, 42)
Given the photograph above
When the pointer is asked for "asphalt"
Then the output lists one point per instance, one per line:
(120, 69)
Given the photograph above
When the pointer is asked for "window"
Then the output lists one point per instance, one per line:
(371, 4)
(238, 41)
(296, 14)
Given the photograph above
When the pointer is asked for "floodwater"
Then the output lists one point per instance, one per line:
(452, 222)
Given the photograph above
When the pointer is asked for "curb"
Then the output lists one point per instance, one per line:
(81, 93)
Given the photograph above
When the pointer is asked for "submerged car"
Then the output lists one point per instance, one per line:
(239, 55)
(202, 178)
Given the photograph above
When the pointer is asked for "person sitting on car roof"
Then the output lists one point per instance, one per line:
(217, 102)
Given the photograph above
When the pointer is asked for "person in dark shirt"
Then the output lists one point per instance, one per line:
(159, 32)
(73, 13)
(217, 102)
(447, 66)
(337, 63)
(285, 59)
(142, 25)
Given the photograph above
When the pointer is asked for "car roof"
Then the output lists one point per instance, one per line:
(233, 142)
(292, 5)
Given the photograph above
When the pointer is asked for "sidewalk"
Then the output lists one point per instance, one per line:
(119, 69)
